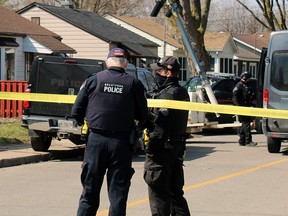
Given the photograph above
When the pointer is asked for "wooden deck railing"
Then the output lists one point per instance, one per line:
(11, 108)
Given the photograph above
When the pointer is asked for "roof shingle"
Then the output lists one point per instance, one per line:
(13, 24)
(94, 24)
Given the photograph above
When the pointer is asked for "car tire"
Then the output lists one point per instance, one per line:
(258, 125)
(42, 142)
(273, 145)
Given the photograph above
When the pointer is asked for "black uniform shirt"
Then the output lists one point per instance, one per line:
(171, 121)
(242, 95)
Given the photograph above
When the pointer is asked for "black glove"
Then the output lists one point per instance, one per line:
(156, 141)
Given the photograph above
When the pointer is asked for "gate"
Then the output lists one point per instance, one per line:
(11, 108)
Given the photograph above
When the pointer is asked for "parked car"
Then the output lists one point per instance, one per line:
(222, 86)
(145, 76)
(55, 75)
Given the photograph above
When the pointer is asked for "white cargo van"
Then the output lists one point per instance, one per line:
(274, 78)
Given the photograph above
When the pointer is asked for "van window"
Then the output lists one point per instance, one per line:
(279, 68)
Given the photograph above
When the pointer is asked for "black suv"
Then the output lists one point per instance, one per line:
(55, 75)
(146, 77)
(222, 86)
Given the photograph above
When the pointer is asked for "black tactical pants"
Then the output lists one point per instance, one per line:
(111, 152)
(165, 178)
(245, 136)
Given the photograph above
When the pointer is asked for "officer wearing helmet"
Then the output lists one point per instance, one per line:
(163, 168)
(243, 95)
(110, 101)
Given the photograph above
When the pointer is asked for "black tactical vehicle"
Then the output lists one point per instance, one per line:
(55, 75)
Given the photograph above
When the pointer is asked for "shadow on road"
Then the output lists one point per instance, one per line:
(196, 152)
(192, 153)
(73, 154)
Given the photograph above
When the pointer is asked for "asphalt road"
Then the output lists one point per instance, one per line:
(221, 178)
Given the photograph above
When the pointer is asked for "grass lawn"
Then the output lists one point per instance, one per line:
(11, 131)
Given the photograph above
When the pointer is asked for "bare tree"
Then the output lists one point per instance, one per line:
(231, 17)
(195, 15)
(121, 7)
(195, 18)
(274, 14)
(2, 3)
(118, 7)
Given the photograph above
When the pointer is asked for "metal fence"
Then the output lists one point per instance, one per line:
(11, 108)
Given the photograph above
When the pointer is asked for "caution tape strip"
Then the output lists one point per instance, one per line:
(172, 104)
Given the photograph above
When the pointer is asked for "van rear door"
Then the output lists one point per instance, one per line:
(275, 93)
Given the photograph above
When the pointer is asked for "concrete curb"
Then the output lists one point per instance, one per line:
(8, 162)
(18, 154)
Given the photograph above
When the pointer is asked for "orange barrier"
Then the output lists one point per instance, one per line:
(12, 108)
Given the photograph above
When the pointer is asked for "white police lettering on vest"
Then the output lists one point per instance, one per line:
(113, 88)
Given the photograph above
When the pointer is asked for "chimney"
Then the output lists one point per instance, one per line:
(67, 4)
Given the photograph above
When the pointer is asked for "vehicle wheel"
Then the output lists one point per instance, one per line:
(76, 139)
(273, 144)
(42, 142)
(258, 125)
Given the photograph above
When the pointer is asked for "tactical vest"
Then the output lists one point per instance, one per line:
(111, 106)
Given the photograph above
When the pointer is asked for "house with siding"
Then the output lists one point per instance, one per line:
(91, 35)
(20, 41)
(222, 48)
(220, 45)
(250, 47)
(157, 33)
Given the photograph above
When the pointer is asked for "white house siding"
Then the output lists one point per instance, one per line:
(19, 60)
(85, 44)
(31, 45)
(226, 53)
(19, 68)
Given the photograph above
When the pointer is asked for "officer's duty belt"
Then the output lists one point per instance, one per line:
(109, 132)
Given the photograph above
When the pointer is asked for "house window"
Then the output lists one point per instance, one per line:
(230, 66)
(235, 65)
(252, 69)
(28, 62)
(212, 63)
(221, 65)
(226, 65)
(10, 63)
(183, 69)
(7, 58)
(35, 20)
(244, 67)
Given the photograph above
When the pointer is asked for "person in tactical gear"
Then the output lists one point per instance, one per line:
(243, 96)
(163, 168)
(109, 101)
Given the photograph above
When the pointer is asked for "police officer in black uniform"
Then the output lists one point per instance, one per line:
(163, 169)
(243, 95)
(110, 101)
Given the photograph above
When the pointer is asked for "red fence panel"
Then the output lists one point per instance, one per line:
(12, 108)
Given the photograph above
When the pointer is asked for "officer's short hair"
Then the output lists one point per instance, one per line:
(116, 60)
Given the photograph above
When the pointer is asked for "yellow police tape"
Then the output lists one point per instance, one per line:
(193, 106)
